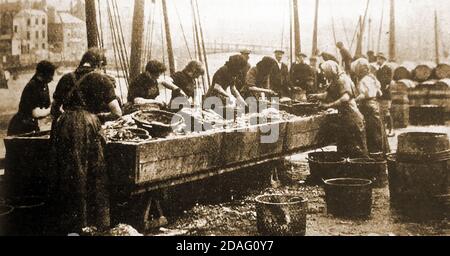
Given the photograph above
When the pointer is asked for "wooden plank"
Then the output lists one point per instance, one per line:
(310, 131)
(240, 145)
(180, 146)
(269, 149)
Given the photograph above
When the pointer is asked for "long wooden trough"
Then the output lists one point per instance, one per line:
(140, 167)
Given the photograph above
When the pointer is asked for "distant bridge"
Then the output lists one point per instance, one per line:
(212, 48)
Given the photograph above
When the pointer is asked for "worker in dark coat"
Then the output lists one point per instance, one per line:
(186, 81)
(241, 81)
(259, 78)
(228, 77)
(280, 78)
(341, 94)
(144, 89)
(34, 102)
(302, 75)
(347, 58)
(77, 143)
(385, 75)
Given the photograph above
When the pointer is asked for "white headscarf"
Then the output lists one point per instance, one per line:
(332, 67)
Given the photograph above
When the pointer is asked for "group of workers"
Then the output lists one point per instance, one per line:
(85, 98)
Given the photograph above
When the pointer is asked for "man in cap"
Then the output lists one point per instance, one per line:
(302, 75)
(346, 57)
(280, 83)
(371, 57)
(384, 75)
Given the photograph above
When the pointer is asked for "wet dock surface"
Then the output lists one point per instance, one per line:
(237, 216)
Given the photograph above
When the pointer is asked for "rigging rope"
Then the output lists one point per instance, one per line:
(381, 28)
(115, 53)
(182, 30)
(197, 40)
(100, 26)
(203, 45)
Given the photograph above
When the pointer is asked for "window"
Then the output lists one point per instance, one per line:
(36, 46)
(43, 21)
(28, 35)
(29, 22)
(37, 34)
(15, 29)
(43, 33)
(43, 46)
(37, 21)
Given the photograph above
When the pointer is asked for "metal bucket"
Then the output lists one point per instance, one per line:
(28, 216)
(371, 169)
(5, 219)
(349, 197)
(281, 215)
(326, 165)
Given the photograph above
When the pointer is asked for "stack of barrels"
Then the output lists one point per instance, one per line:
(428, 88)
(419, 174)
(400, 102)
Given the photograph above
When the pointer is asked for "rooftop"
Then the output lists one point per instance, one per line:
(66, 18)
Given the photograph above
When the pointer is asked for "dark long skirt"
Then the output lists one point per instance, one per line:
(22, 124)
(82, 194)
(375, 130)
(351, 141)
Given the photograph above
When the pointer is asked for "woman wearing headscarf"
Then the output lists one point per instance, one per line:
(228, 76)
(369, 90)
(341, 94)
(257, 80)
(77, 143)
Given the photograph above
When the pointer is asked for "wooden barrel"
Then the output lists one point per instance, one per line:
(440, 95)
(427, 115)
(423, 71)
(422, 142)
(400, 102)
(404, 71)
(422, 173)
(420, 94)
(442, 71)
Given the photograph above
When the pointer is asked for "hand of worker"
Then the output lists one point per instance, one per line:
(312, 96)
(324, 106)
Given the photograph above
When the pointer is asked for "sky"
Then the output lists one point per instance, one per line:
(266, 21)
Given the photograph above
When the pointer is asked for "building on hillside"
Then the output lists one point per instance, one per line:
(29, 38)
(67, 36)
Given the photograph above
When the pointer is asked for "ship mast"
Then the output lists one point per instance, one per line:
(168, 39)
(316, 20)
(361, 32)
(436, 38)
(297, 42)
(136, 38)
(91, 24)
(392, 44)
